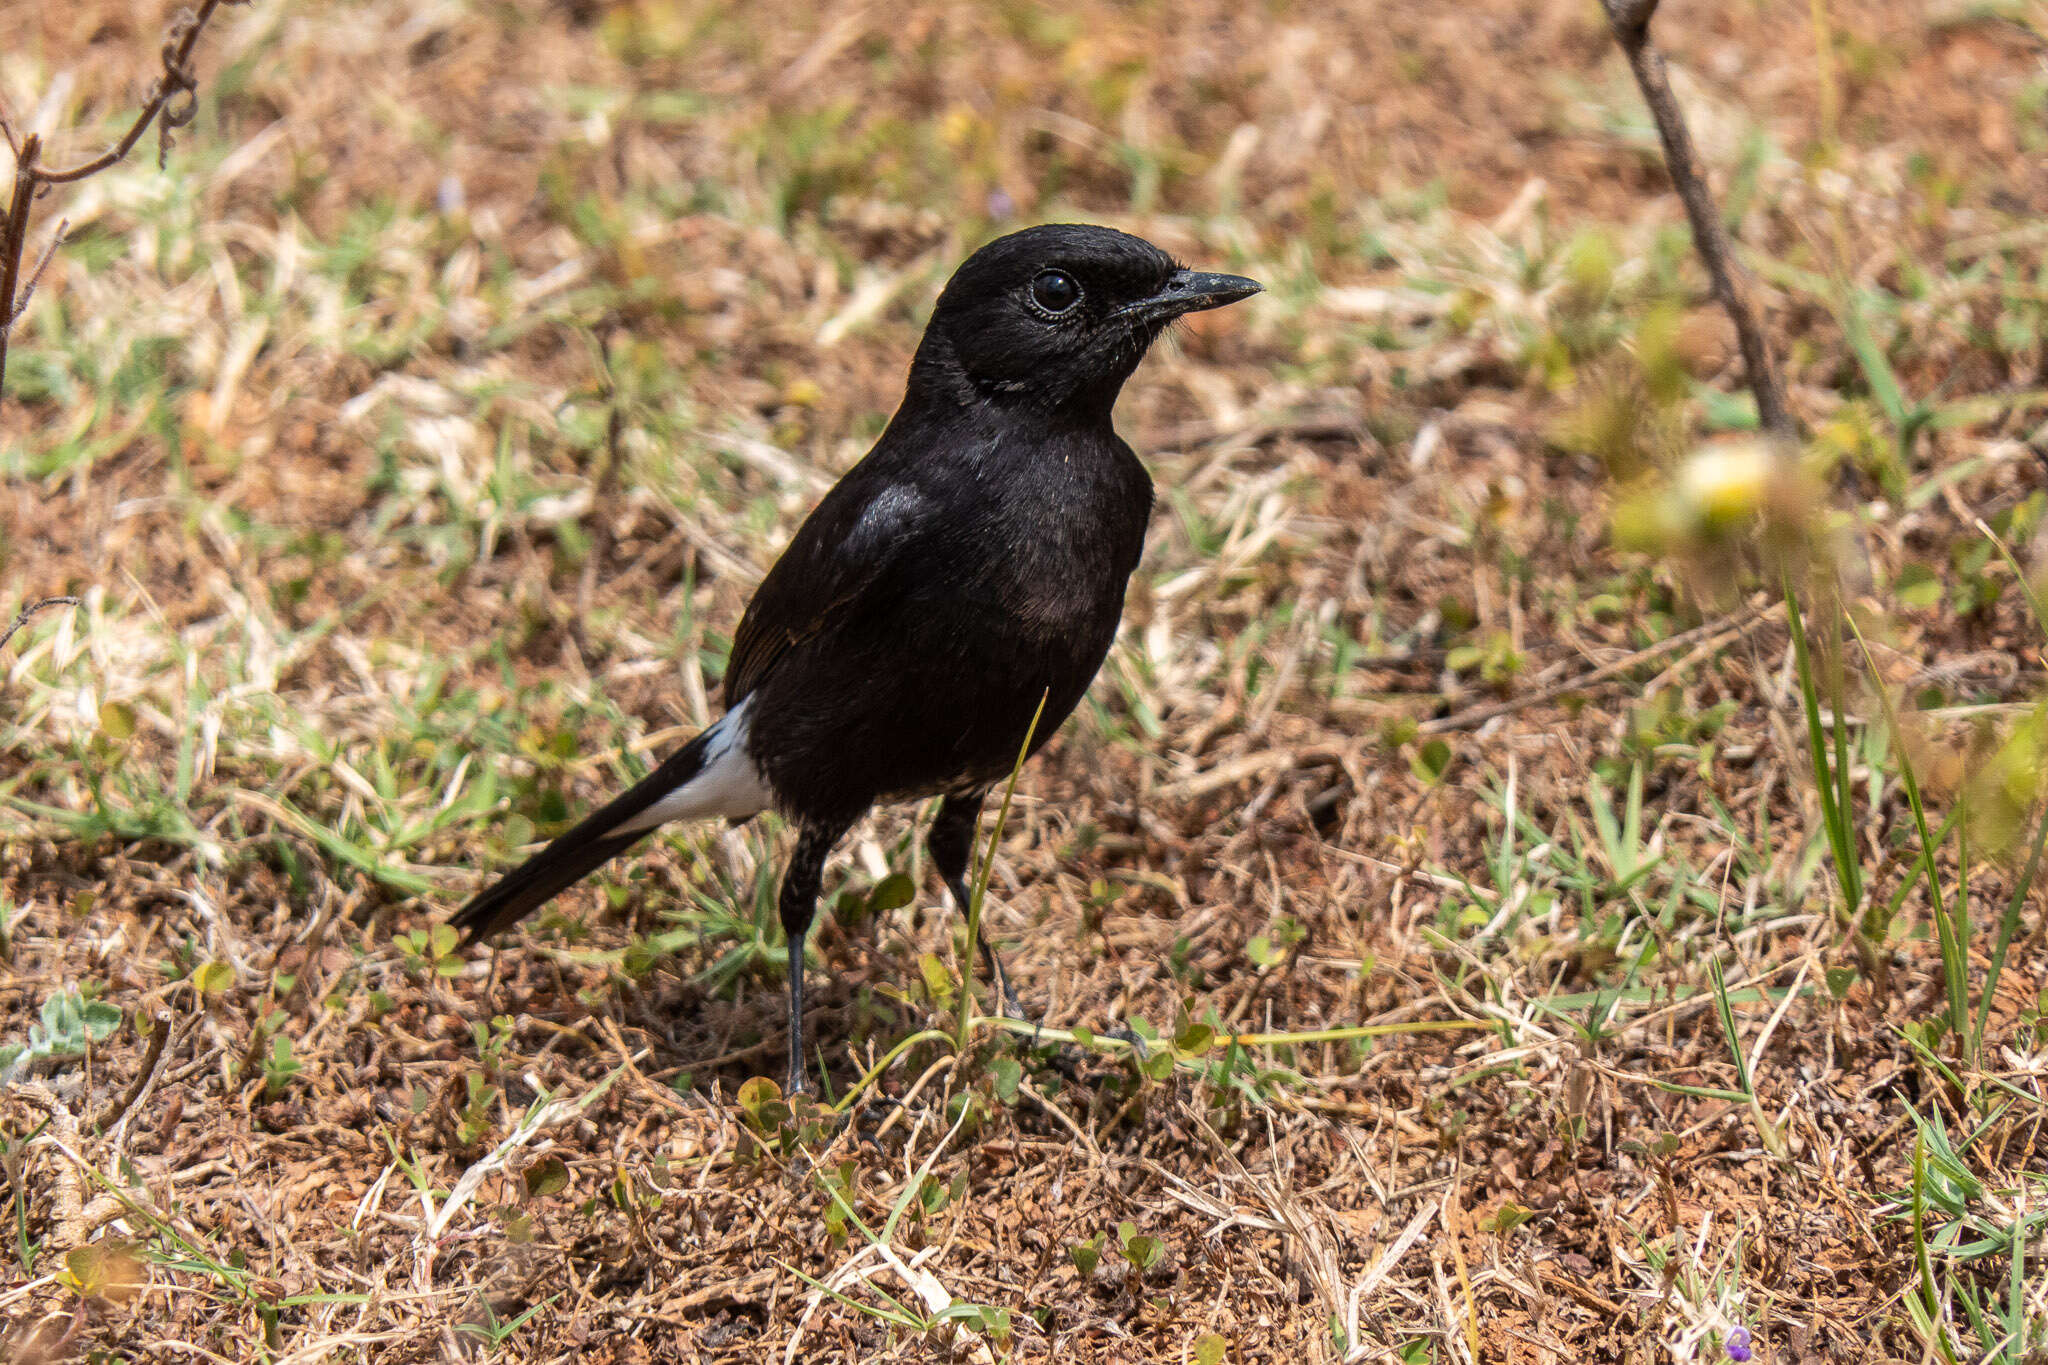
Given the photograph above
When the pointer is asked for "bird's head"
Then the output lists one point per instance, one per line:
(1057, 317)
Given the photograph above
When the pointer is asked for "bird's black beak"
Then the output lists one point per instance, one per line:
(1192, 291)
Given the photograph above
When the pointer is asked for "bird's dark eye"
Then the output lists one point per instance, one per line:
(1055, 291)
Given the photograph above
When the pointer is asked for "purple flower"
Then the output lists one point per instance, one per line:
(1000, 204)
(1738, 1344)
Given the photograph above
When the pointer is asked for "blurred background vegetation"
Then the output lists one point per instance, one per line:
(415, 436)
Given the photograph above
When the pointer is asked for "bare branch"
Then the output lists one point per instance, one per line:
(1630, 20)
(173, 101)
(1629, 16)
(14, 237)
(177, 83)
(35, 277)
(30, 610)
(144, 1077)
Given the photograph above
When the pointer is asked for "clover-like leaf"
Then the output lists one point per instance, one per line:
(213, 977)
(549, 1175)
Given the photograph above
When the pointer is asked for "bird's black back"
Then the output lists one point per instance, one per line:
(975, 561)
(971, 565)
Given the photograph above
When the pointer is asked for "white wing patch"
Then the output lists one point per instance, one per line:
(729, 783)
(889, 514)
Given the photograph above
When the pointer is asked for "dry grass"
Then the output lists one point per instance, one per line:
(318, 424)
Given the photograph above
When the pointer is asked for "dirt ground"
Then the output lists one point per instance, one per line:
(414, 438)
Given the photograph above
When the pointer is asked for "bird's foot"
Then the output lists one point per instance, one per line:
(1008, 1006)
(1127, 1034)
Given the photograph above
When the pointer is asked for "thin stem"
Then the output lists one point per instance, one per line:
(988, 867)
(171, 104)
(1630, 20)
(32, 608)
(177, 79)
(14, 239)
(35, 277)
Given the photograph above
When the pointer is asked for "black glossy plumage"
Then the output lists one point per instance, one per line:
(974, 562)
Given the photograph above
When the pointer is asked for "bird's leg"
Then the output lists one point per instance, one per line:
(798, 903)
(950, 842)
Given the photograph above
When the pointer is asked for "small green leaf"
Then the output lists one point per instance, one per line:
(1917, 586)
(938, 981)
(893, 892)
(100, 1020)
(117, 721)
(760, 1099)
(1195, 1039)
(1209, 1349)
(1144, 1252)
(1086, 1255)
(1508, 1217)
(1431, 760)
(1008, 1075)
(213, 977)
(549, 1175)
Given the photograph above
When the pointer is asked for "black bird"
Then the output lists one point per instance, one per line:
(973, 563)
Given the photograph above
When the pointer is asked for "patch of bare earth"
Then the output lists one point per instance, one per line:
(351, 535)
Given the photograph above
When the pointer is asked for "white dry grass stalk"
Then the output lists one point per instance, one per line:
(1314, 1245)
(929, 1289)
(1254, 575)
(542, 1116)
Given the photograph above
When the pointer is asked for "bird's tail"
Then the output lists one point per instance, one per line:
(710, 775)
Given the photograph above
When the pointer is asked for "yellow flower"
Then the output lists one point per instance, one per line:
(1722, 486)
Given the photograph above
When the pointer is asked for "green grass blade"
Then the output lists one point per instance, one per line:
(1834, 811)
(2026, 584)
(1951, 929)
(2009, 923)
(987, 869)
(1930, 1296)
(1726, 1013)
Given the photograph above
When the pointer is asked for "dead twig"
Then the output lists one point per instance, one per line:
(1630, 20)
(160, 1034)
(1475, 716)
(172, 103)
(74, 1219)
(22, 618)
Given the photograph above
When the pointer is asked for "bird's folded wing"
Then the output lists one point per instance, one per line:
(834, 569)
